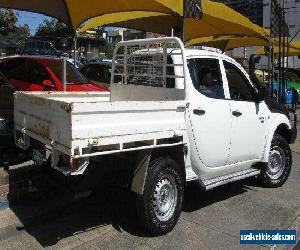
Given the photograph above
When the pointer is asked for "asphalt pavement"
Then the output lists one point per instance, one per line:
(47, 216)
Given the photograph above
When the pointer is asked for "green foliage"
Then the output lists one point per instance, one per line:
(109, 50)
(49, 25)
(8, 21)
(20, 33)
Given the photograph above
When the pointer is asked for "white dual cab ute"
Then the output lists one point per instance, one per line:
(172, 115)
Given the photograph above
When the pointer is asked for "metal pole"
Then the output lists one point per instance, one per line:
(64, 74)
(75, 48)
(283, 55)
(271, 50)
(279, 60)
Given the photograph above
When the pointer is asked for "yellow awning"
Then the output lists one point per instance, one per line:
(295, 45)
(228, 42)
(75, 12)
(212, 23)
(139, 20)
(220, 20)
(175, 5)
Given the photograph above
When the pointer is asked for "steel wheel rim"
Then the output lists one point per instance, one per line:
(165, 198)
(276, 164)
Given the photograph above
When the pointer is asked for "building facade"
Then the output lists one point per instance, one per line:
(258, 11)
(292, 17)
(253, 9)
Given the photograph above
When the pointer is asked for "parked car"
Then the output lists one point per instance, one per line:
(207, 124)
(295, 71)
(97, 72)
(8, 149)
(31, 73)
(100, 73)
(40, 73)
(42, 48)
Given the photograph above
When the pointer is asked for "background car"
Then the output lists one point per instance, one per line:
(293, 82)
(40, 73)
(8, 150)
(99, 73)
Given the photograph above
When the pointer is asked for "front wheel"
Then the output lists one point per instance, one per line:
(160, 205)
(279, 164)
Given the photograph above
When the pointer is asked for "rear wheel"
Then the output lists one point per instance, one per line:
(160, 205)
(279, 164)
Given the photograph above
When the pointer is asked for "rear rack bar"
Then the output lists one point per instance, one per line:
(147, 62)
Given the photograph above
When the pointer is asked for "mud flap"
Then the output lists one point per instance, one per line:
(140, 173)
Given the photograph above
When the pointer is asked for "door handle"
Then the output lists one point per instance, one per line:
(199, 112)
(262, 119)
(237, 113)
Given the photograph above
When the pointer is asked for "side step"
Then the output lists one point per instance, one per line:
(221, 180)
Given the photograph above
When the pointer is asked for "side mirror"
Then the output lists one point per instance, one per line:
(48, 84)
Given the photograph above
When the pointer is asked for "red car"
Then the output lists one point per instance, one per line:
(40, 73)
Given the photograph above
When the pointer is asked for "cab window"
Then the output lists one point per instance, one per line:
(36, 72)
(239, 87)
(15, 70)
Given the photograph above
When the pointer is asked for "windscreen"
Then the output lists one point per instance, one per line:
(3, 79)
(73, 76)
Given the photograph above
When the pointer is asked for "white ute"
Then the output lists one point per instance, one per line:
(173, 115)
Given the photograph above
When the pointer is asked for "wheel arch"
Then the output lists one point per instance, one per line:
(146, 156)
(280, 126)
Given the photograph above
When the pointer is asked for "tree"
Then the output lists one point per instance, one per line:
(8, 21)
(48, 26)
(20, 32)
(109, 50)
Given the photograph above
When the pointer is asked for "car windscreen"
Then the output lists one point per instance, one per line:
(73, 75)
(97, 72)
(3, 79)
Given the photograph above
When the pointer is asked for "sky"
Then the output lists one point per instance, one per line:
(32, 19)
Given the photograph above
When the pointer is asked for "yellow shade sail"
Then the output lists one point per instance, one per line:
(295, 45)
(228, 42)
(139, 20)
(175, 5)
(212, 23)
(75, 12)
(220, 20)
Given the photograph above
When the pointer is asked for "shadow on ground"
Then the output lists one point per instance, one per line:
(50, 214)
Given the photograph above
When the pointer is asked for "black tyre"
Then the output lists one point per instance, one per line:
(160, 206)
(279, 165)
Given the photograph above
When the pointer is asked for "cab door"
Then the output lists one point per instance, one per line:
(209, 114)
(249, 116)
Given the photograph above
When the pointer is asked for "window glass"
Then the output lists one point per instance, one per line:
(97, 72)
(73, 75)
(206, 77)
(3, 79)
(239, 87)
(15, 70)
(37, 73)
